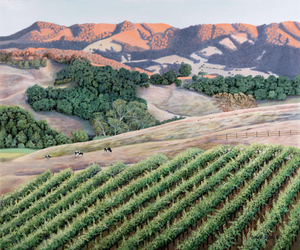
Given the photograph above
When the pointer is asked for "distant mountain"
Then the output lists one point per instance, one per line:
(274, 47)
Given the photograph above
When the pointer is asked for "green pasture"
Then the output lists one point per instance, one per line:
(9, 154)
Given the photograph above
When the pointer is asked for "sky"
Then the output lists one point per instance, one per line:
(16, 15)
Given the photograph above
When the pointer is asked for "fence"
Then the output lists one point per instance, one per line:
(257, 134)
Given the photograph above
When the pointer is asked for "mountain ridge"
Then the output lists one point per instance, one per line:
(240, 44)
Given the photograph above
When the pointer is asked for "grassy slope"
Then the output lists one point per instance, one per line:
(195, 131)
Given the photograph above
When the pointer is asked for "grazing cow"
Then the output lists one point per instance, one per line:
(78, 153)
(107, 150)
(47, 157)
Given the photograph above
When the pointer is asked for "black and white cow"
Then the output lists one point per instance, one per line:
(107, 150)
(47, 157)
(78, 153)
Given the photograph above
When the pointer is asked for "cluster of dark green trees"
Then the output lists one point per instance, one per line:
(104, 96)
(98, 88)
(24, 64)
(171, 77)
(20, 130)
(165, 79)
(273, 88)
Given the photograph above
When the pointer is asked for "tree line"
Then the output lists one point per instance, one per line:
(7, 58)
(170, 76)
(272, 88)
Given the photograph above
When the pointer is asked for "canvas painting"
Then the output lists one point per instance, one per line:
(150, 124)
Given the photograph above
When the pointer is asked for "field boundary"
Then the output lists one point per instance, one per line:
(267, 133)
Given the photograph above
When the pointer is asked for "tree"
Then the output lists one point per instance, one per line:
(260, 94)
(79, 136)
(26, 65)
(8, 141)
(40, 144)
(35, 93)
(165, 82)
(99, 124)
(272, 95)
(139, 117)
(201, 73)
(296, 85)
(3, 135)
(30, 144)
(117, 126)
(156, 79)
(44, 63)
(21, 137)
(185, 69)
(35, 63)
(178, 82)
(49, 141)
(170, 76)
(20, 64)
(144, 77)
(62, 139)
(21, 145)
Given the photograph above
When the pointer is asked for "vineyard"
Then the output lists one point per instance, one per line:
(228, 197)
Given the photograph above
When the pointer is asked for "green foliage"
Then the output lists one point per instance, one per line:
(35, 63)
(156, 79)
(272, 95)
(187, 86)
(21, 129)
(35, 93)
(97, 88)
(8, 141)
(21, 137)
(21, 145)
(30, 144)
(201, 73)
(79, 136)
(44, 62)
(166, 79)
(146, 85)
(44, 105)
(123, 117)
(144, 77)
(170, 76)
(260, 88)
(185, 69)
(20, 64)
(178, 82)
(26, 65)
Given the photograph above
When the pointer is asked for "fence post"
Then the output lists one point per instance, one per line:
(279, 133)
(256, 133)
(236, 135)
(246, 134)
(290, 132)
(268, 133)
(226, 136)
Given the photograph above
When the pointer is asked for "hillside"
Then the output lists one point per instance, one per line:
(271, 47)
(169, 139)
